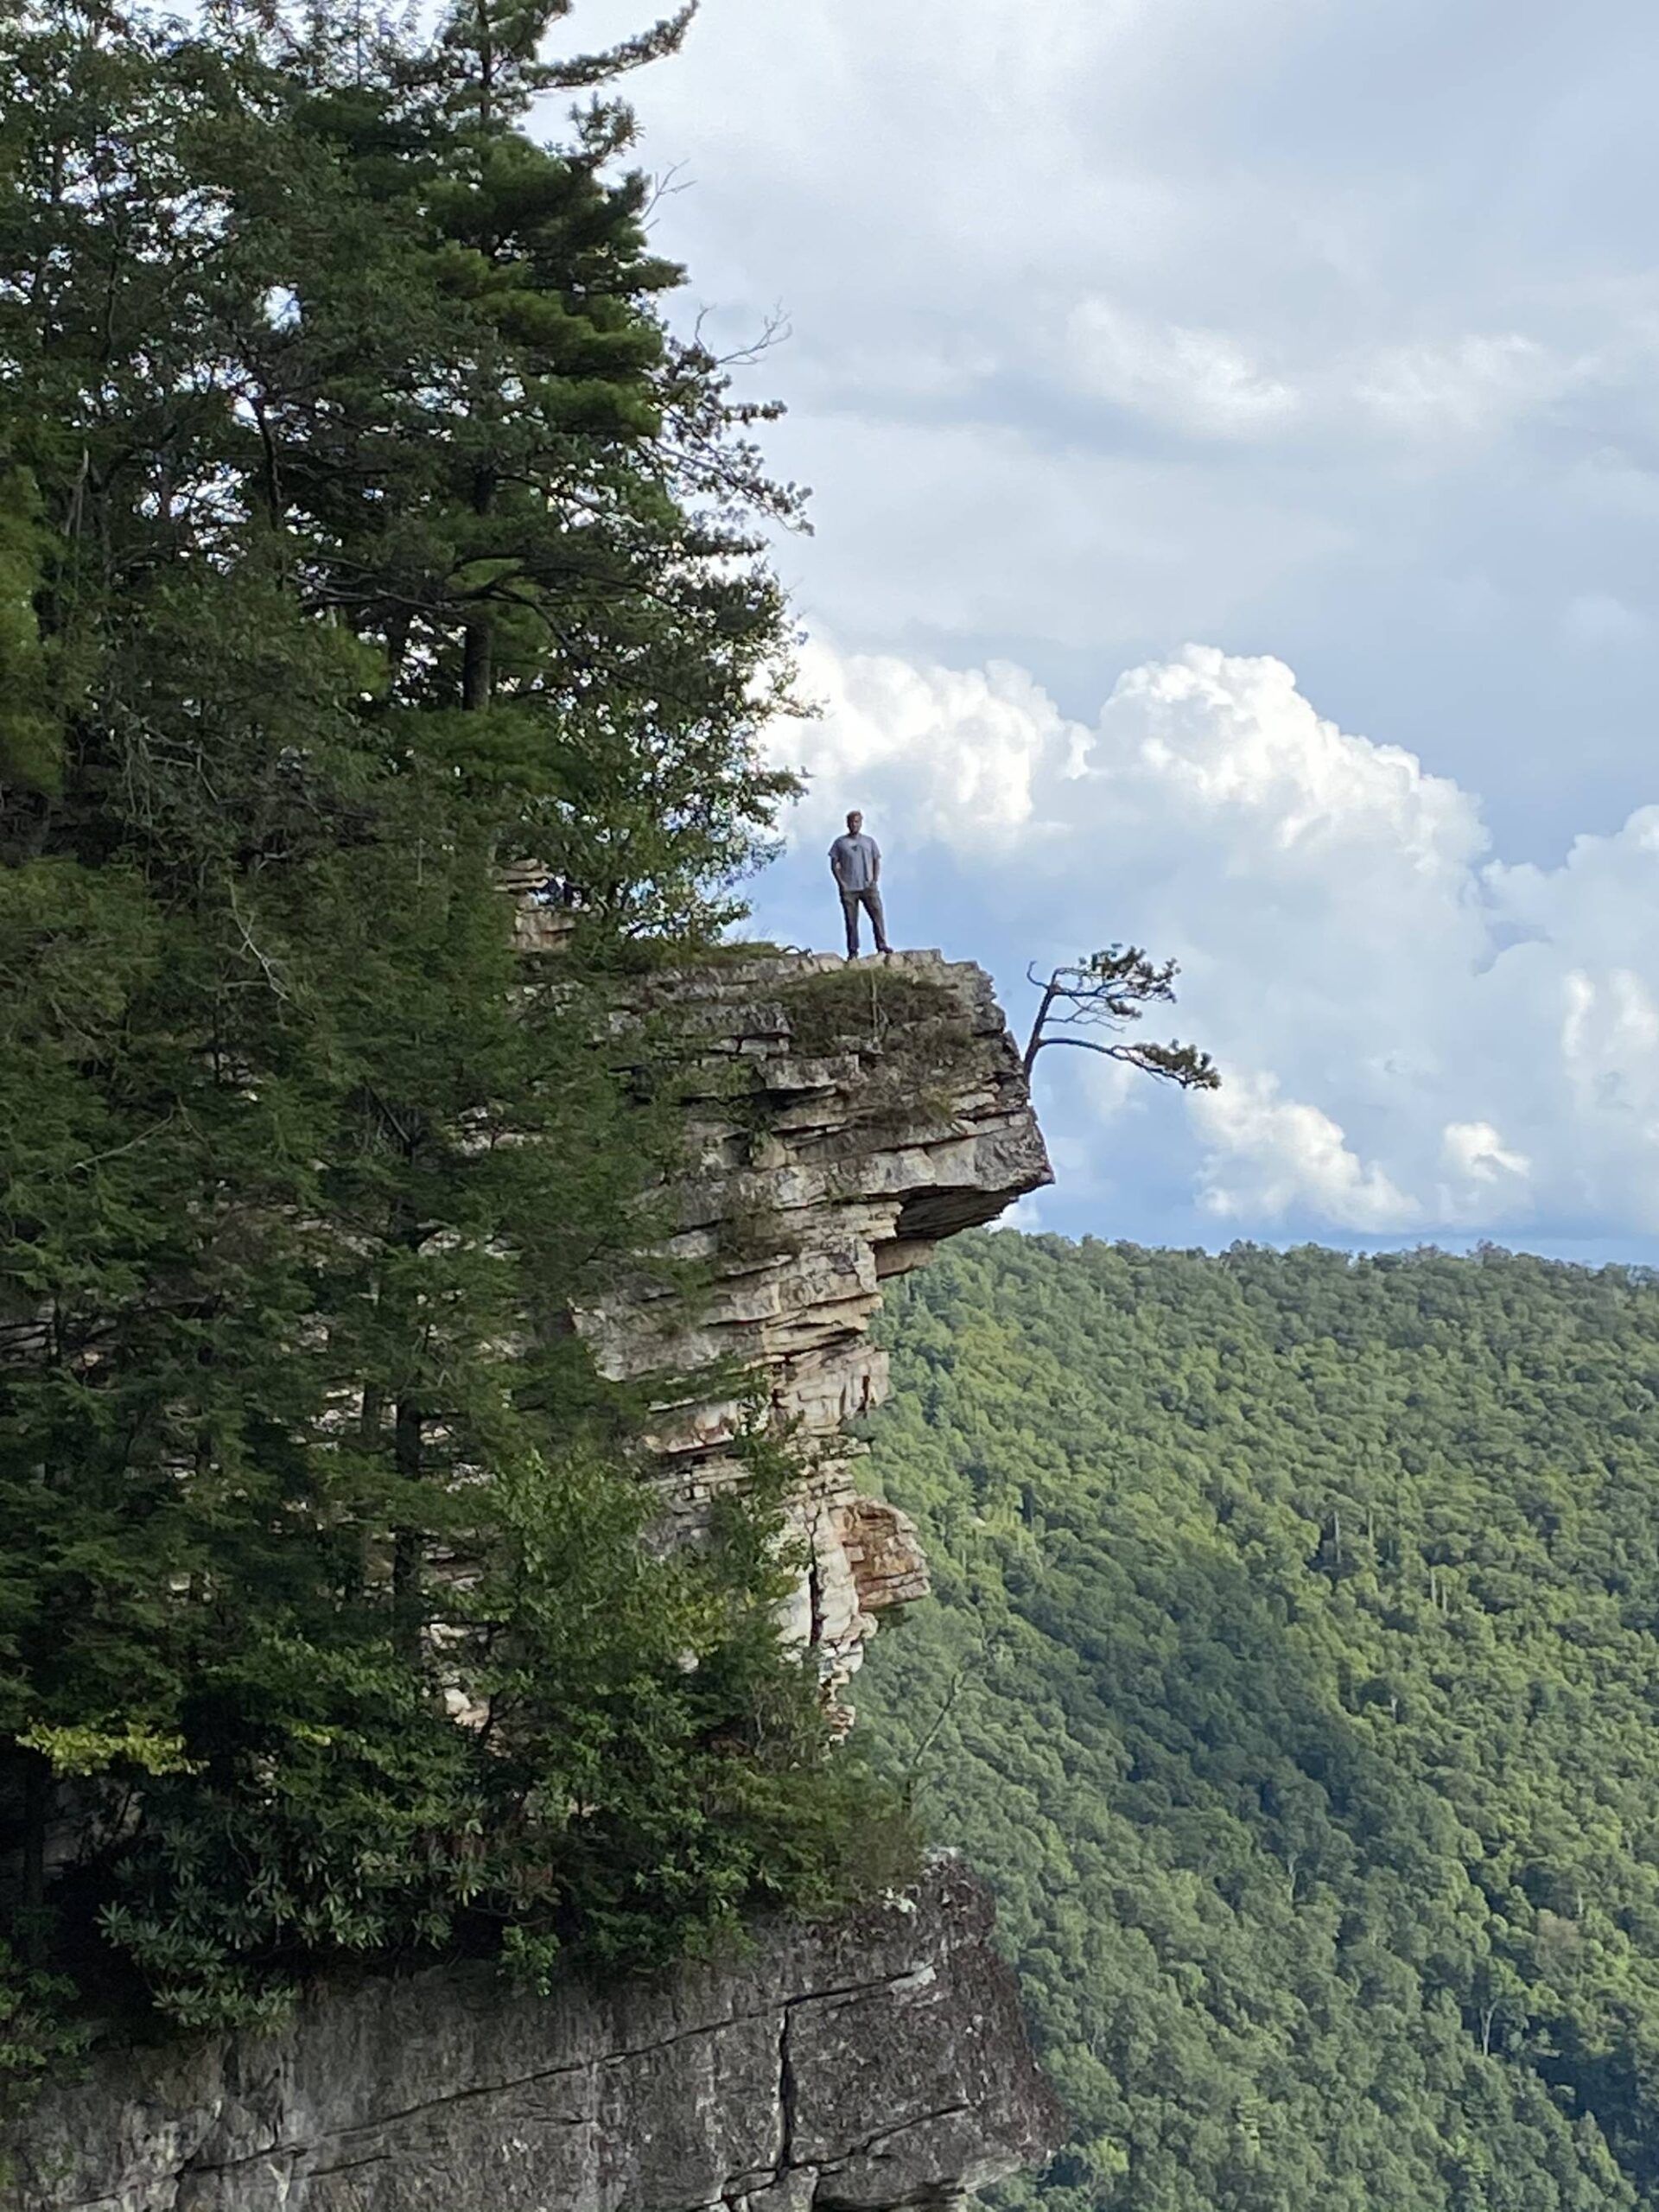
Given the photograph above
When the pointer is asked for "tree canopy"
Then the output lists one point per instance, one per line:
(366, 532)
(1090, 1005)
(1293, 1675)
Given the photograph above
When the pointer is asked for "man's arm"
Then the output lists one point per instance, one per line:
(875, 863)
(835, 864)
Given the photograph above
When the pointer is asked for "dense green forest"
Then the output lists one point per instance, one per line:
(1296, 1675)
(366, 532)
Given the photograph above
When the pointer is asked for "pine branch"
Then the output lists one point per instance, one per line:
(1109, 989)
(664, 38)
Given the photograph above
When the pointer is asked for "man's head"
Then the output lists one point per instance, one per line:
(854, 823)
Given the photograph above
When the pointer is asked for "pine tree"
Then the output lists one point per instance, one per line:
(363, 530)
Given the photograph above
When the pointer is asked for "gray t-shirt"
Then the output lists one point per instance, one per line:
(853, 860)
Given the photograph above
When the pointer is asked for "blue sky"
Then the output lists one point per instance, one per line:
(1234, 431)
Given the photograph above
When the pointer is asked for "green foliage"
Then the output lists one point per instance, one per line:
(1089, 1004)
(1293, 1674)
(27, 751)
(363, 531)
(38, 2034)
(647, 1771)
(847, 1008)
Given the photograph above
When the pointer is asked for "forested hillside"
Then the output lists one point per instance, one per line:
(1295, 1673)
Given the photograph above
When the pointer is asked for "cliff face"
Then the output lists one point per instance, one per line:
(875, 2064)
(842, 1120)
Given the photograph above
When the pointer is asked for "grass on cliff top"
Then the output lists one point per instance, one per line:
(656, 955)
(859, 1006)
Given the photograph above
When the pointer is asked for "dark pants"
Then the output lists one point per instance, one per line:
(870, 901)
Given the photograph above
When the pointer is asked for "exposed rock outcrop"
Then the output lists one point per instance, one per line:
(841, 1121)
(873, 2064)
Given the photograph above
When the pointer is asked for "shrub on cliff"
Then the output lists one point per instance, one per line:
(363, 530)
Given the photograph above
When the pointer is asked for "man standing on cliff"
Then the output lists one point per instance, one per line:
(855, 863)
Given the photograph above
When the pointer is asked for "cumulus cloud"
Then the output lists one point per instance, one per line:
(975, 737)
(1271, 1156)
(1416, 1037)
(1117, 325)
(1475, 1150)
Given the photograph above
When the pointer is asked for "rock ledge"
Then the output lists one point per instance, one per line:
(873, 2064)
(841, 1121)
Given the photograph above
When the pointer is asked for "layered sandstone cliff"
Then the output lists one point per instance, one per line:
(841, 1121)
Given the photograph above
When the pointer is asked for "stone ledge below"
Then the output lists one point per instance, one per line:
(876, 2063)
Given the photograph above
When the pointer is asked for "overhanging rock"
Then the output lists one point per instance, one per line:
(841, 1121)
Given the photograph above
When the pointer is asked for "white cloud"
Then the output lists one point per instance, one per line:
(1211, 383)
(1117, 325)
(1272, 1156)
(977, 736)
(1198, 380)
(1026, 1215)
(1475, 1150)
(1593, 619)
(1460, 386)
(1414, 1036)
(1225, 735)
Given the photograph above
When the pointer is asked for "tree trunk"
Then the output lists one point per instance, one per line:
(406, 1543)
(37, 1811)
(477, 671)
(478, 647)
(1035, 1041)
(361, 1574)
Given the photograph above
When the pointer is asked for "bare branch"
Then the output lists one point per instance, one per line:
(266, 965)
(115, 1151)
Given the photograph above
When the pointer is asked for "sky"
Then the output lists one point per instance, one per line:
(1233, 428)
